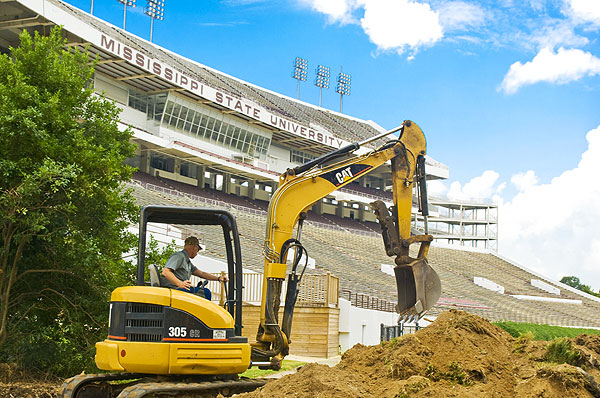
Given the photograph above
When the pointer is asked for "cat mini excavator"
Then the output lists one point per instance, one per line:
(164, 342)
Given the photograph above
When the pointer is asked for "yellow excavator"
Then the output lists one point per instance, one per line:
(164, 342)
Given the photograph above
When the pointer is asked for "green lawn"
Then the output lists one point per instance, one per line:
(543, 332)
(285, 365)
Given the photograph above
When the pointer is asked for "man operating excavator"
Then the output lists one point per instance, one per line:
(179, 268)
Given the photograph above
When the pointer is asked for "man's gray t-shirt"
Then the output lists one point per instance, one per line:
(181, 266)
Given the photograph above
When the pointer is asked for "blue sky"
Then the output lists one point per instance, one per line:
(507, 92)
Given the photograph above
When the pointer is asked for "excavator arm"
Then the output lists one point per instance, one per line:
(299, 188)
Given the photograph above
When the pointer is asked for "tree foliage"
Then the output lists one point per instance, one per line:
(574, 281)
(63, 211)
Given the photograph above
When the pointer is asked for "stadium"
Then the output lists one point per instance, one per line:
(206, 139)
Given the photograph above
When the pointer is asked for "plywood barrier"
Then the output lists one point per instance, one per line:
(314, 329)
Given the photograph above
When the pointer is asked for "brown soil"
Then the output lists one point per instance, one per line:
(459, 355)
(15, 383)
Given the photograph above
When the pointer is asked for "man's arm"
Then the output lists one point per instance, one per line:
(168, 273)
(210, 277)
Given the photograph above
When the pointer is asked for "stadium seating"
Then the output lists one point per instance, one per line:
(356, 260)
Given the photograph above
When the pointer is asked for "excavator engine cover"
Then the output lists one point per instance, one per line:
(419, 288)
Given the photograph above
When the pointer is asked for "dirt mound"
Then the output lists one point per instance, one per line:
(459, 355)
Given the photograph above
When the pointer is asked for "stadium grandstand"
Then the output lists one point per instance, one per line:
(211, 140)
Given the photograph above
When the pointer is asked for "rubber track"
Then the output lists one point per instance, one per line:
(209, 387)
(72, 386)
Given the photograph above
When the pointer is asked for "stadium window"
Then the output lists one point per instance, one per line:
(211, 124)
(168, 110)
(182, 116)
(221, 138)
(196, 123)
(227, 130)
(161, 162)
(211, 128)
(217, 127)
(235, 135)
(300, 157)
(174, 115)
(159, 105)
(152, 105)
(188, 121)
(188, 170)
(203, 122)
(242, 136)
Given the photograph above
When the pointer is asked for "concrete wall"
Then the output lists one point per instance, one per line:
(359, 325)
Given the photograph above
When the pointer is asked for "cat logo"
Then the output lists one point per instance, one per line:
(342, 175)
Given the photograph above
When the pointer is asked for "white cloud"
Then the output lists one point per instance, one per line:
(561, 67)
(436, 188)
(524, 181)
(557, 34)
(392, 25)
(479, 188)
(458, 15)
(584, 10)
(553, 228)
(398, 25)
(335, 10)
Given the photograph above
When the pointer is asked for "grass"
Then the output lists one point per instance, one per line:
(287, 364)
(543, 332)
(455, 374)
(561, 351)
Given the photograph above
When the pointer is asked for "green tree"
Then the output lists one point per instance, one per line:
(159, 255)
(574, 281)
(63, 210)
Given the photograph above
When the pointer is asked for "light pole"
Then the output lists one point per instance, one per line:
(125, 3)
(299, 72)
(343, 87)
(155, 9)
(322, 79)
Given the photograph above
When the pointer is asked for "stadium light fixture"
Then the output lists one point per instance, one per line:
(322, 79)
(155, 9)
(299, 72)
(126, 3)
(343, 86)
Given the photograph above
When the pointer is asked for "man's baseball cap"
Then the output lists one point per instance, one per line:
(192, 241)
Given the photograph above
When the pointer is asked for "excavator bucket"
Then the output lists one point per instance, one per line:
(419, 288)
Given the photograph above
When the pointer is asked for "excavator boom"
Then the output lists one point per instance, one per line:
(299, 188)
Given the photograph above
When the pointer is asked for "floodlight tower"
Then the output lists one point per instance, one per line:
(155, 9)
(299, 72)
(343, 87)
(126, 3)
(322, 79)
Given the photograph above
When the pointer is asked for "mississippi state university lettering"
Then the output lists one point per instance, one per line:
(240, 105)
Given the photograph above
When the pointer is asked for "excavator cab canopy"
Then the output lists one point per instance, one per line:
(179, 215)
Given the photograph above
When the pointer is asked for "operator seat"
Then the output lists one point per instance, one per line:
(154, 276)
